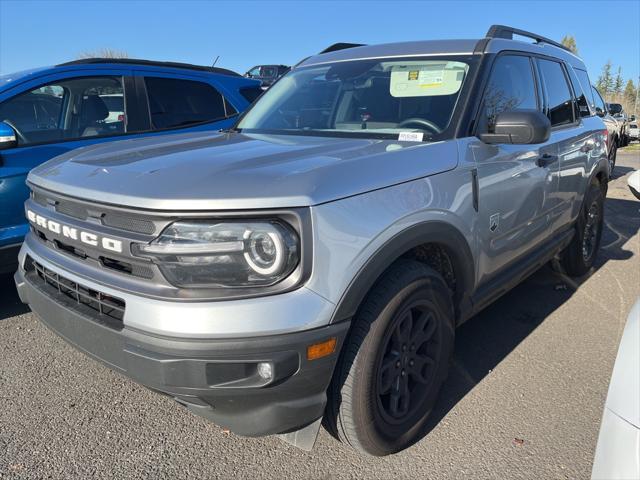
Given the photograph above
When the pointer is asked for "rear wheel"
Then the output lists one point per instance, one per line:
(394, 362)
(581, 253)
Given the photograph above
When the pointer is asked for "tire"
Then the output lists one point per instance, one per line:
(613, 153)
(581, 253)
(375, 402)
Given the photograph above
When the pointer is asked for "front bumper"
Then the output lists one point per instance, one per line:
(215, 378)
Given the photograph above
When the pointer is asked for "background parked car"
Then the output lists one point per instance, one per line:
(267, 74)
(51, 110)
(621, 117)
(634, 133)
(613, 127)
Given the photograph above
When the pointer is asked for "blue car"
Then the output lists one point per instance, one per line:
(48, 111)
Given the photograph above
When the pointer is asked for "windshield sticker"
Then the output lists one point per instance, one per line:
(431, 77)
(410, 136)
(427, 79)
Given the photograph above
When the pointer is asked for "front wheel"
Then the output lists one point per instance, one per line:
(581, 253)
(394, 362)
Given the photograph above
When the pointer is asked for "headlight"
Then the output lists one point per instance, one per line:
(224, 254)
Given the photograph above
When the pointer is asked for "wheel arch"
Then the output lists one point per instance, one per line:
(438, 233)
(600, 174)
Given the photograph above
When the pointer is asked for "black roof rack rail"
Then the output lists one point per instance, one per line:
(136, 61)
(340, 46)
(503, 31)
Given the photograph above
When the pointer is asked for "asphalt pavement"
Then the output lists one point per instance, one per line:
(523, 401)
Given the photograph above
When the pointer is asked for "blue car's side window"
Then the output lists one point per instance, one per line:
(175, 103)
(68, 109)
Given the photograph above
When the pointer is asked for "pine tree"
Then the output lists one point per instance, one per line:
(570, 42)
(618, 83)
(630, 94)
(605, 80)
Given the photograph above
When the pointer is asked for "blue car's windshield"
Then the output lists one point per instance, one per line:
(371, 98)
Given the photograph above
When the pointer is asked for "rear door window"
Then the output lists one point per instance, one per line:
(176, 102)
(559, 106)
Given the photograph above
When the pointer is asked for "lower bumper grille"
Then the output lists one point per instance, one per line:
(107, 306)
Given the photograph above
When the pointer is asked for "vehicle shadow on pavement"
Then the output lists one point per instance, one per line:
(621, 222)
(487, 338)
(620, 171)
(10, 304)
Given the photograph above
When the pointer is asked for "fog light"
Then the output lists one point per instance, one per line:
(265, 370)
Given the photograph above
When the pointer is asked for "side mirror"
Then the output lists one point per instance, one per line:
(599, 112)
(7, 136)
(519, 127)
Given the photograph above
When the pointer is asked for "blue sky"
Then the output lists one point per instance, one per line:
(36, 33)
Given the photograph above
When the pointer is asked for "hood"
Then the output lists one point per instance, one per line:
(205, 171)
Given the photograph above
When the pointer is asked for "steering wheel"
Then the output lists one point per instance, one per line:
(421, 122)
(19, 134)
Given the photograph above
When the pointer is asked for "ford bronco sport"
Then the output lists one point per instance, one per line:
(311, 264)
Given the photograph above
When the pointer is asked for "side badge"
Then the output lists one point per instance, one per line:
(494, 222)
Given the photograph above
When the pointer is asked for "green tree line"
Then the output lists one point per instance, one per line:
(612, 86)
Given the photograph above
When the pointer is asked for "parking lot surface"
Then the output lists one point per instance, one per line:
(524, 398)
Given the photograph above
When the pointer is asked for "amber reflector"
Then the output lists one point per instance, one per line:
(319, 350)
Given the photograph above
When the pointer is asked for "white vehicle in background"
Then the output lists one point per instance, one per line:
(634, 132)
(618, 450)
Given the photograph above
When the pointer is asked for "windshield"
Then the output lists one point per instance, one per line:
(400, 99)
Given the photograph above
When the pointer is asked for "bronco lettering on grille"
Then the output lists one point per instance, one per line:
(73, 233)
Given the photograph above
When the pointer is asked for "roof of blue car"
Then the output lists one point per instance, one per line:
(19, 76)
(11, 79)
(150, 63)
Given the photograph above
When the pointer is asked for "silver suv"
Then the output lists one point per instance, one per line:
(311, 264)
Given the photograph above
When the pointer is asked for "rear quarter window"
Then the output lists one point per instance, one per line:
(585, 83)
(251, 94)
(583, 102)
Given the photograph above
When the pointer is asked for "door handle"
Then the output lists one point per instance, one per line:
(545, 160)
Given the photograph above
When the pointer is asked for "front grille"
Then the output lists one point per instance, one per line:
(82, 211)
(109, 308)
(128, 223)
(127, 268)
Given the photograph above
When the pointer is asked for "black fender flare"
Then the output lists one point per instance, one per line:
(438, 232)
(601, 168)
